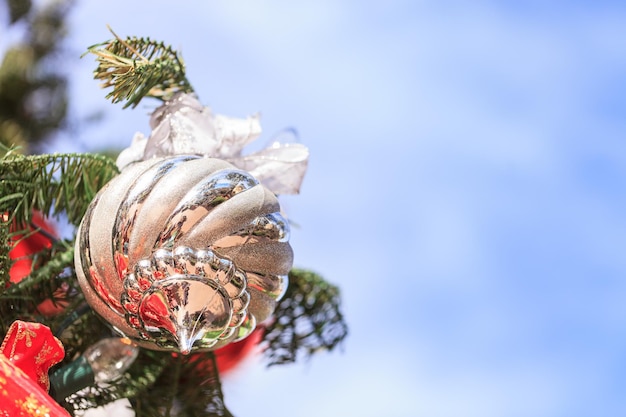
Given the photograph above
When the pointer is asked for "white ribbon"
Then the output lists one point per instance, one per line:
(183, 126)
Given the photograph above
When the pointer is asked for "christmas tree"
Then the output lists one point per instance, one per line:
(153, 362)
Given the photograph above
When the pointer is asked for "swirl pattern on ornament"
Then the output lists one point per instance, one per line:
(184, 253)
(133, 202)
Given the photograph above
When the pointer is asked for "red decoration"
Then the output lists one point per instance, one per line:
(28, 351)
(41, 237)
(22, 397)
(32, 348)
(28, 245)
(231, 355)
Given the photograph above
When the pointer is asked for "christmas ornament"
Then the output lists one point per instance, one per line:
(188, 252)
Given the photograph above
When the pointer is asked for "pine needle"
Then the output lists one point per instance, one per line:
(307, 319)
(138, 68)
(51, 184)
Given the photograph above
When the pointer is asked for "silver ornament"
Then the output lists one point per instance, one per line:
(183, 253)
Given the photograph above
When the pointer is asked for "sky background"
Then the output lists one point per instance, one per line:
(466, 190)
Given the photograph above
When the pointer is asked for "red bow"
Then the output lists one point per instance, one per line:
(28, 352)
(33, 349)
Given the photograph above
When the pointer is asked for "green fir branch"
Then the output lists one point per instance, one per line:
(51, 184)
(139, 378)
(307, 319)
(162, 384)
(189, 386)
(138, 68)
(50, 263)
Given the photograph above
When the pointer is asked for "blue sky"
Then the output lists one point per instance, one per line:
(465, 190)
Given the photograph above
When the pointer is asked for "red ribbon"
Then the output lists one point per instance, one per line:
(28, 352)
(33, 349)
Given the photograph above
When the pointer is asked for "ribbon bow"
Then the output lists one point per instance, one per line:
(183, 126)
(27, 353)
(33, 348)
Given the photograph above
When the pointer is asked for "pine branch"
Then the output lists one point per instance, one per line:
(308, 319)
(51, 184)
(138, 68)
(137, 380)
(160, 384)
(188, 386)
(53, 264)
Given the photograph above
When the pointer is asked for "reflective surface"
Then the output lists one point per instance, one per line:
(110, 358)
(189, 297)
(183, 253)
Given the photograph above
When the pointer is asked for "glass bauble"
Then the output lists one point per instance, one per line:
(183, 253)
